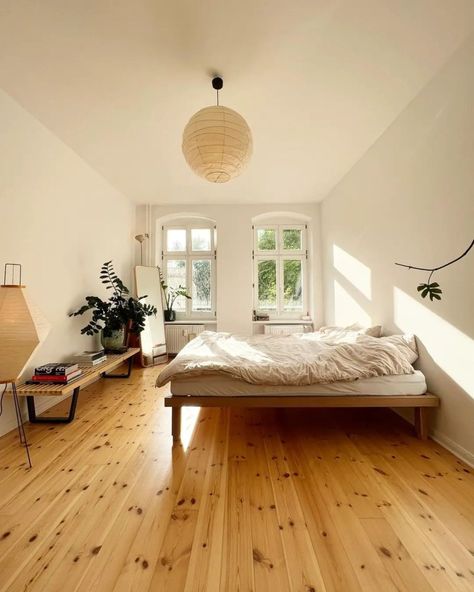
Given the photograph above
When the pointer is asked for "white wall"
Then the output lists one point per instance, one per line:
(61, 221)
(234, 254)
(411, 199)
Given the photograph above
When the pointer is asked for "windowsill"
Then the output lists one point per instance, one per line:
(283, 322)
(192, 322)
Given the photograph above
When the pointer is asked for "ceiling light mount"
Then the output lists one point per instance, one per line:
(217, 141)
(217, 83)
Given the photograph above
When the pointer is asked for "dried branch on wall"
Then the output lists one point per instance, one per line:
(432, 289)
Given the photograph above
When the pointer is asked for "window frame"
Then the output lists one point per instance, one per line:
(280, 255)
(255, 239)
(188, 255)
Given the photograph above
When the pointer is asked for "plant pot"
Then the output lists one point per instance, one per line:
(112, 340)
(170, 315)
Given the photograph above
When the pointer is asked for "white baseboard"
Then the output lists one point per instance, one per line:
(45, 403)
(454, 447)
(445, 441)
(7, 426)
(8, 423)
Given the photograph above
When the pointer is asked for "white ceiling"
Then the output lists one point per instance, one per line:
(317, 80)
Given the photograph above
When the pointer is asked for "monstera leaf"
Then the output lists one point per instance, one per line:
(432, 290)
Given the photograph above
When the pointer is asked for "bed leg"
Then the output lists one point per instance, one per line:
(421, 422)
(176, 423)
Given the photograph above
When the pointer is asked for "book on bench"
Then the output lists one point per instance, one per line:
(57, 369)
(90, 358)
(56, 378)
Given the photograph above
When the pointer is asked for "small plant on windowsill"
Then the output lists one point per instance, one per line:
(171, 294)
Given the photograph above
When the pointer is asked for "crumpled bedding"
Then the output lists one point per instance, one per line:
(297, 359)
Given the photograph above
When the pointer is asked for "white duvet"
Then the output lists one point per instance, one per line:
(297, 359)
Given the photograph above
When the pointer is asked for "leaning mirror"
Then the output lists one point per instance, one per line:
(152, 338)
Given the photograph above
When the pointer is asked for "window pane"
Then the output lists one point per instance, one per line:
(292, 285)
(292, 239)
(266, 239)
(176, 277)
(202, 285)
(201, 239)
(267, 285)
(176, 239)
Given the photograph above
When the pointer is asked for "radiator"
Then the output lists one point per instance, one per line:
(177, 336)
(286, 329)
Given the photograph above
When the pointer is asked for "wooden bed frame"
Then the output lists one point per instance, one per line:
(420, 403)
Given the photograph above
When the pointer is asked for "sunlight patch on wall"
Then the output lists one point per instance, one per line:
(358, 274)
(451, 350)
(347, 310)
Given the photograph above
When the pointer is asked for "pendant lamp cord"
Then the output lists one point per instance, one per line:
(217, 84)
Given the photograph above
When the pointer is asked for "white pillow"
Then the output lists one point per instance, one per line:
(339, 332)
(406, 345)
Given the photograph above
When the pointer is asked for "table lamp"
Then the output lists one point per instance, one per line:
(22, 329)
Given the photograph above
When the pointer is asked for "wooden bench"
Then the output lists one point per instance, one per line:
(89, 375)
(420, 403)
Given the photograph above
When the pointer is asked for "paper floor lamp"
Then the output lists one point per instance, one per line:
(22, 329)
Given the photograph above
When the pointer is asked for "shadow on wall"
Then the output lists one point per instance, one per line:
(450, 349)
(445, 352)
(445, 358)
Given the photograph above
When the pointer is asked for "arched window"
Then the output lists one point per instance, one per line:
(189, 260)
(280, 255)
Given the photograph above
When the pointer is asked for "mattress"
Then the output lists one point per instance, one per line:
(219, 385)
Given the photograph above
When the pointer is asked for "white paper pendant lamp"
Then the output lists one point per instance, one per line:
(217, 142)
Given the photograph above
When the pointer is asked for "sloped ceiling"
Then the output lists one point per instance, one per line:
(317, 80)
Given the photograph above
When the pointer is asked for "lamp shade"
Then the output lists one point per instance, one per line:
(22, 329)
(217, 144)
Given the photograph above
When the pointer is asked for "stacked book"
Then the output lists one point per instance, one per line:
(90, 358)
(55, 373)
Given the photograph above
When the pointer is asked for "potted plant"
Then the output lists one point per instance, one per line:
(171, 294)
(114, 317)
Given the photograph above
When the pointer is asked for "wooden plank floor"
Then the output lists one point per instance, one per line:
(254, 500)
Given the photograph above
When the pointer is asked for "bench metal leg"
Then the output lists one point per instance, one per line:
(30, 400)
(176, 423)
(127, 375)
